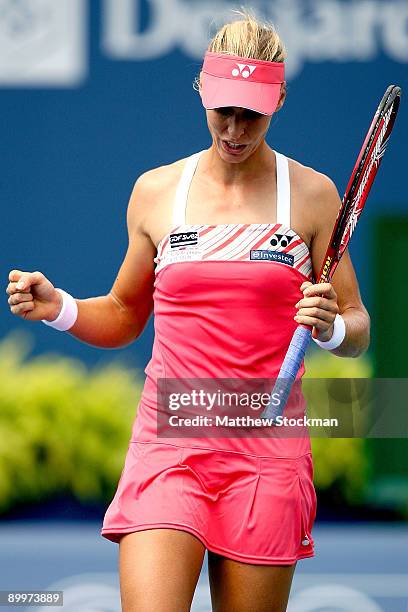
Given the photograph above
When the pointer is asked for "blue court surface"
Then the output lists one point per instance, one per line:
(357, 568)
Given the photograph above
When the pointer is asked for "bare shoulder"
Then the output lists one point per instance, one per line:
(312, 182)
(158, 179)
(149, 195)
(316, 192)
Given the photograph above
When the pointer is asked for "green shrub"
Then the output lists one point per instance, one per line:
(64, 428)
(323, 364)
(341, 464)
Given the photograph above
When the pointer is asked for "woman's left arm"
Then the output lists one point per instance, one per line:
(321, 302)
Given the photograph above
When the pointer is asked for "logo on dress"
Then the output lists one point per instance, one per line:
(244, 70)
(280, 240)
(183, 239)
(264, 254)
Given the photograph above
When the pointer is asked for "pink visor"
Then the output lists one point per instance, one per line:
(229, 80)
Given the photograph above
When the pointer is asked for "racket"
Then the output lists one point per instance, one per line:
(352, 204)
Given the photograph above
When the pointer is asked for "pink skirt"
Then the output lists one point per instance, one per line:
(251, 509)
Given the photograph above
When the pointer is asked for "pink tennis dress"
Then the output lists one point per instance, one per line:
(224, 302)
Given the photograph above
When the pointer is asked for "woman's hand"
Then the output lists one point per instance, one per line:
(33, 296)
(318, 307)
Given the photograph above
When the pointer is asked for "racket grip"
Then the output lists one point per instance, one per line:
(287, 374)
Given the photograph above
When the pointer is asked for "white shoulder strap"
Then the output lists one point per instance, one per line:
(180, 200)
(282, 190)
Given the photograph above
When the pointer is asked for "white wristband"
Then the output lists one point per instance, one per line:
(68, 314)
(339, 333)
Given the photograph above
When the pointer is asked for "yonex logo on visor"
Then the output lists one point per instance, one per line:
(231, 80)
(244, 70)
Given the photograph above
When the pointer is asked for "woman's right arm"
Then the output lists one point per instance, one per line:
(109, 321)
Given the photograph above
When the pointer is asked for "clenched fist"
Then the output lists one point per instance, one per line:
(33, 296)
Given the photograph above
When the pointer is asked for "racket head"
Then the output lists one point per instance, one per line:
(361, 180)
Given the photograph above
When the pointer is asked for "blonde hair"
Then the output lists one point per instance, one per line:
(247, 37)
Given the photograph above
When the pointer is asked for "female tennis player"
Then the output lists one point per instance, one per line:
(226, 245)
